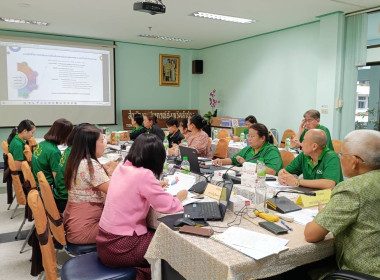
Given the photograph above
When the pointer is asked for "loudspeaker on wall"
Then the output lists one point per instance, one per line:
(197, 66)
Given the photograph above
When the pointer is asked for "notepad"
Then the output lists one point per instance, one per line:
(253, 244)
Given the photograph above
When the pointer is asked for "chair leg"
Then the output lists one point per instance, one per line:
(9, 207)
(42, 275)
(27, 238)
(14, 212)
(19, 230)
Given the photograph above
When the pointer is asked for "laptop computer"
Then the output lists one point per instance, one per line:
(211, 210)
(192, 157)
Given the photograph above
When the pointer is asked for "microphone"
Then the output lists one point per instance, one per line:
(225, 175)
(299, 192)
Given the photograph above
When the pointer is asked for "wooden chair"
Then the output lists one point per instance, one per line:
(287, 157)
(287, 132)
(223, 133)
(17, 185)
(221, 149)
(28, 175)
(55, 219)
(32, 143)
(28, 154)
(49, 259)
(337, 144)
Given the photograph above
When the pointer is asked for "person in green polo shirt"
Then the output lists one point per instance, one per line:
(17, 140)
(46, 155)
(138, 127)
(260, 146)
(250, 120)
(311, 121)
(353, 213)
(319, 165)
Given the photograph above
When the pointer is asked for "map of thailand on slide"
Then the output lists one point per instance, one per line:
(26, 82)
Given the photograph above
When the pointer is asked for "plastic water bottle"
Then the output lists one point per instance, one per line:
(215, 133)
(184, 143)
(117, 137)
(287, 143)
(165, 171)
(166, 144)
(261, 171)
(185, 166)
(242, 137)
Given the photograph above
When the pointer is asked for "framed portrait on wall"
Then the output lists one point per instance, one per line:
(169, 70)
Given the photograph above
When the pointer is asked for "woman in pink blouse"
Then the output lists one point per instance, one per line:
(87, 182)
(123, 234)
(197, 138)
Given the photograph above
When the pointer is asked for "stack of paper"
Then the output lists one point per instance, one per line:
(303, 216)
(181, 181)
(253, 244)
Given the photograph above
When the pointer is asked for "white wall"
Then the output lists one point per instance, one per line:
(272, 76)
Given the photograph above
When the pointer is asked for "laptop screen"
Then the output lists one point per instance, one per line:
(225, 196)
(192, 157)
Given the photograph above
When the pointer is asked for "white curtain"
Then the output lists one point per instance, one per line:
(355, 56)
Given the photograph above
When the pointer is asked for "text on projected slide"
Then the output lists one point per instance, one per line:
(54, 77)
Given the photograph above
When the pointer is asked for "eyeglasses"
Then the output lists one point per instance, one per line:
(250, 136)
(309, 120)
(341, 154)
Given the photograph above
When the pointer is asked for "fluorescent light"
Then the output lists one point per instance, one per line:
(159, 37)
(24, 21)
(222, 17)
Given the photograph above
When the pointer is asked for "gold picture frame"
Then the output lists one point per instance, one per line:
(169, 70)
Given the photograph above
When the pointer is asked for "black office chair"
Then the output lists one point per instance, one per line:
(349, 275)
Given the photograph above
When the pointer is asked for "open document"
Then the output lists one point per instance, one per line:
(253, 244)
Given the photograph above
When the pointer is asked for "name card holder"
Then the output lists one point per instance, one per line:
(322, 196)
(213, 191)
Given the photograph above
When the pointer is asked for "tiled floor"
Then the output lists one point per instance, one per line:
(14, 265)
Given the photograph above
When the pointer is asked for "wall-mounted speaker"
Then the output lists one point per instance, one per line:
(197, 66)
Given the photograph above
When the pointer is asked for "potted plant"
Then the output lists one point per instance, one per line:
(212, 113)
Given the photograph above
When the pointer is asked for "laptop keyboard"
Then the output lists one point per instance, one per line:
(210, 209)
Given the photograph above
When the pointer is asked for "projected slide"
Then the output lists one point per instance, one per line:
(44, 80)
(54, 76)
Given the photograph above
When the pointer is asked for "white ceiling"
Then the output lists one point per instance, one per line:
(116, 20)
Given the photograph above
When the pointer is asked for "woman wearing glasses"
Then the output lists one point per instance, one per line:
(260, 146)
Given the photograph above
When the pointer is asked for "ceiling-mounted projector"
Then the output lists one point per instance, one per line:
(150, 7)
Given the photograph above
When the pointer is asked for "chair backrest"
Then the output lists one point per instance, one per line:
(28, 154)
(223, 133)
(28, 175)
(287, 157)
(289, 133)
(55, 219)
(5, 147)
(337, 144)
(19, 192)
(275, 135)
(32, 143)
(49, 260)
(221, 149)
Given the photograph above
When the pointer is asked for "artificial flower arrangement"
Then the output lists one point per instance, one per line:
(213, 102)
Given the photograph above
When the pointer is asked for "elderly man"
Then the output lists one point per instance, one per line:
(311, 121)
(353, 212)
(319, 165)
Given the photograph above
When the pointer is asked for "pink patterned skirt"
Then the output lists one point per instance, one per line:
(118, 251)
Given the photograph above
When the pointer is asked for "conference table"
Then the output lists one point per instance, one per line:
(203, 258)
(197, 257)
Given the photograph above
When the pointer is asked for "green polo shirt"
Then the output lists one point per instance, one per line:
(245, 131)
(16, 148)
(270, 154)
(353, 215)
(46, 157)
(59, 190)
(326, 130)
(327, 166)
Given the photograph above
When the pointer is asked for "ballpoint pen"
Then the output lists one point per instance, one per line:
(288, 227)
